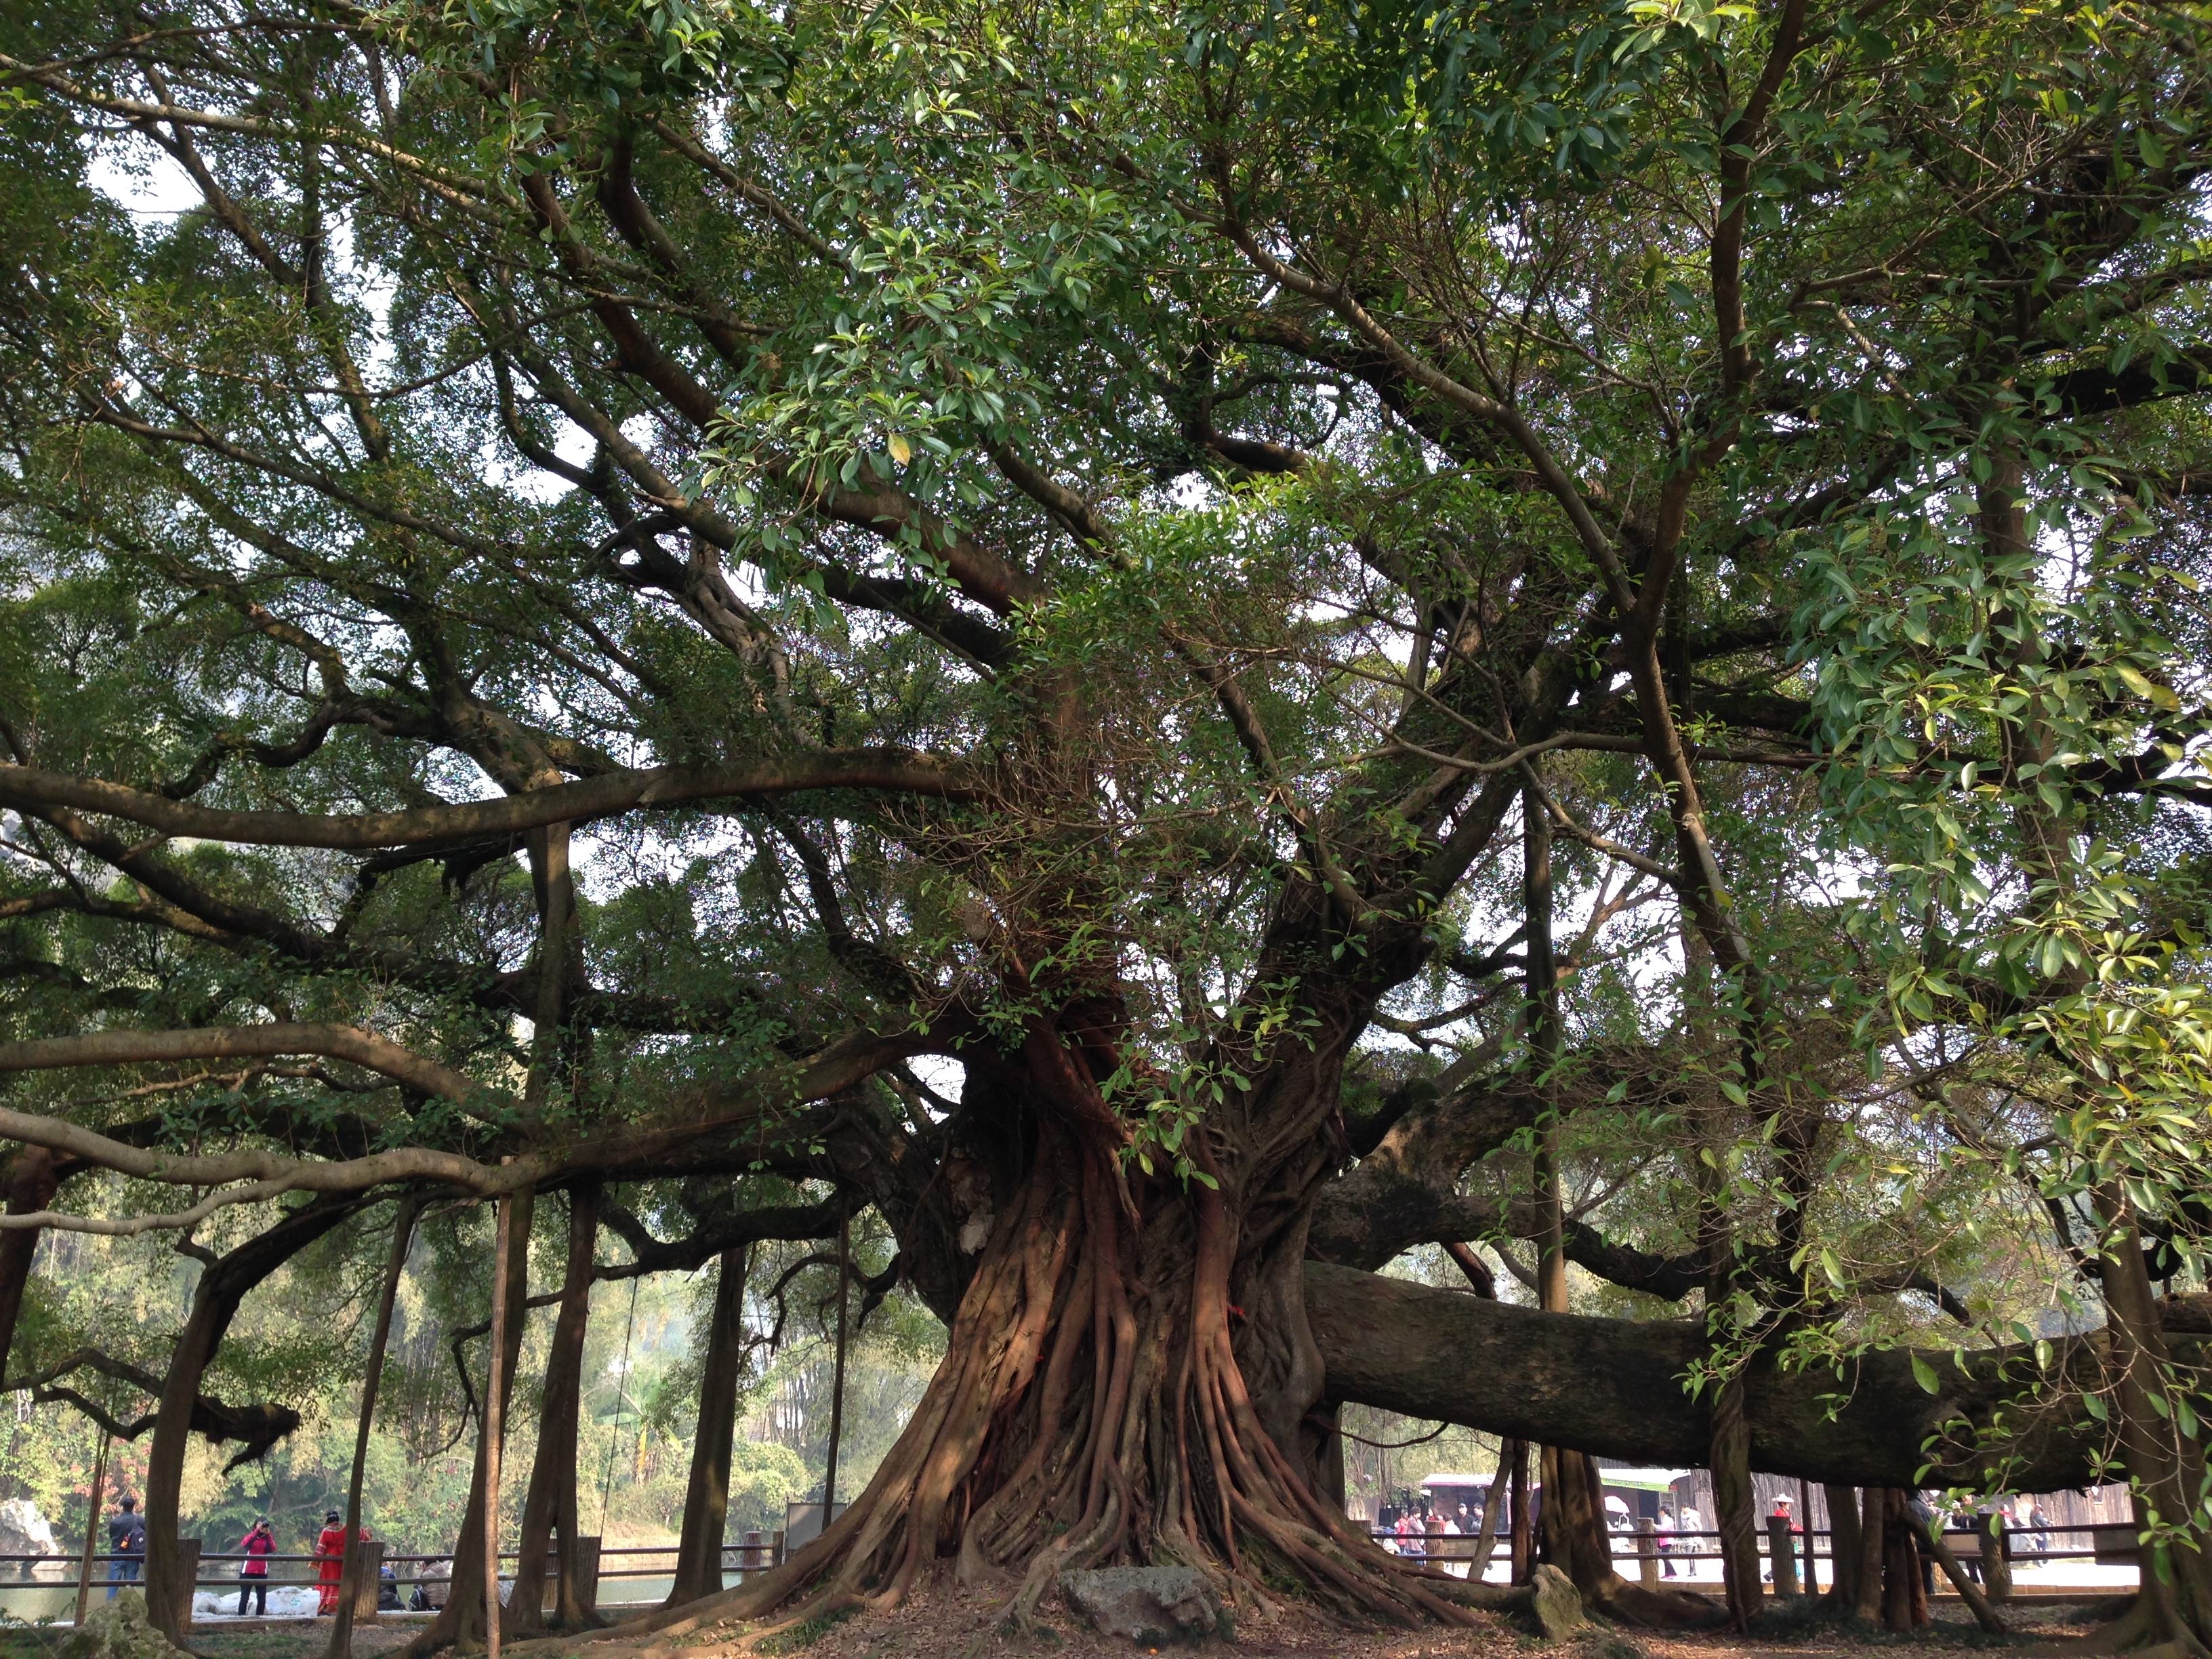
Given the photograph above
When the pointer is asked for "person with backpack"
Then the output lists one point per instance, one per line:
(257, 1546)
(126, 1545)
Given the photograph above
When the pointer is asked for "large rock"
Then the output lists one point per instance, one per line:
(1153, 1605)
(1557, 1603)
(24, 1531)
(118, 1630)
(285, 1601)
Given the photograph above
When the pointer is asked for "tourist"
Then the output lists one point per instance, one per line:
(431, 1585)
(330, 1550)
(257, 1546)
(1409, 1536)
(126, 1545)
(1664, 1529)
(1967, 1519)
(2040, 1543)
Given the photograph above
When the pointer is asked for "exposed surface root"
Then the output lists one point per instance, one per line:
(1627, 1603)
(2138, 1629)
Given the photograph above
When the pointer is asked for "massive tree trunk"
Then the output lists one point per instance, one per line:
(1736, 1507)
(1127, 1369)
(549, 1506)
(222, 1285)
(707, 1497)
(461, 1623)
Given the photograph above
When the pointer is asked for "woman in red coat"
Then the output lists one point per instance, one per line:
(330, 1546)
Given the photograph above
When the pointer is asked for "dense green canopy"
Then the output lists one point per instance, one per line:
(1151, 644)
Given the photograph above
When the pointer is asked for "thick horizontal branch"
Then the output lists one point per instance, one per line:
(279, 1173)
(347, 1043)
(741, 1117)
(887, 770)
(1615, 1388)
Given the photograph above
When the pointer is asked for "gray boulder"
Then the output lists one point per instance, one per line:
(1152, 1605)
(118, 1630)
(1556, 1603)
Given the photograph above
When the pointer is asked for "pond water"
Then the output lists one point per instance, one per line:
(54, 1601)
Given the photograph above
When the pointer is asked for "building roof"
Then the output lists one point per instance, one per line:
(1642, 1479)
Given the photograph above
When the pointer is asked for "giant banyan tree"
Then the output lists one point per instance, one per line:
(1180, 650)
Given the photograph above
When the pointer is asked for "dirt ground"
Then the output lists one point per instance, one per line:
(965, 1626)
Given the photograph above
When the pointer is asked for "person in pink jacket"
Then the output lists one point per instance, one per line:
(257, 1546)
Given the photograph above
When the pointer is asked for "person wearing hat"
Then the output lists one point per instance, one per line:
(330, 1551)
(257, 1546)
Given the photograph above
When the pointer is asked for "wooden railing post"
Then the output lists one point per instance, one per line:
(1782, 1550)
(588, 1572)
(368, 1579)
(1647, 1552)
